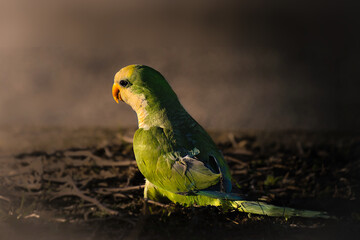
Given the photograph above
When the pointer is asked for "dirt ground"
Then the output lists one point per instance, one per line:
(58, 183)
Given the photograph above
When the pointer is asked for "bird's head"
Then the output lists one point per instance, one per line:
(144, 89)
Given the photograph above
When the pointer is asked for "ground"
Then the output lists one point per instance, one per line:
(58, 183)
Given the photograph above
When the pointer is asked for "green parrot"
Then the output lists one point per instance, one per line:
(179, 160)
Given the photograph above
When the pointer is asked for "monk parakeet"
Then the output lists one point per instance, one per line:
(179, 160)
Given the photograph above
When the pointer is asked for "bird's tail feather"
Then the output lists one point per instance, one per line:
(257, 207)
(262, 208)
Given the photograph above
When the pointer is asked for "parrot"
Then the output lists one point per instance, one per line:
(179, 160)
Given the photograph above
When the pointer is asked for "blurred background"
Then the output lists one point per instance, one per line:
(234, 64)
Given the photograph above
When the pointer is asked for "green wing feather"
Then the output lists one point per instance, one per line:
(173, 163)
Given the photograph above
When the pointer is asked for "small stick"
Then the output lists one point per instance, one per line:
(127, 139)
(126, 189)
(101, 162)
(157, 203)
(85, 198)
(300, 148)
(235, 160)
(4, 198)
(76, 192)
(231, 137)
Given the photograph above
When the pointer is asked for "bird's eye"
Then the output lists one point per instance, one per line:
(124, 83)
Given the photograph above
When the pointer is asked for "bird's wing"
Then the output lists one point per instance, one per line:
(168, 163)
(210, 155)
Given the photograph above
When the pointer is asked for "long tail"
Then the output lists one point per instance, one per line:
(261, 208)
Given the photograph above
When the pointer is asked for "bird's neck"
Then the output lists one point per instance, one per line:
(157, 114)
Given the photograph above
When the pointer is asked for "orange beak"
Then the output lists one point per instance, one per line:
(116, 92)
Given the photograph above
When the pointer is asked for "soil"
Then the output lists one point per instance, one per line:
(92, 189)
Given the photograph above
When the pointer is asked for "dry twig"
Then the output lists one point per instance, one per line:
(157, 203)
(74, 191)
